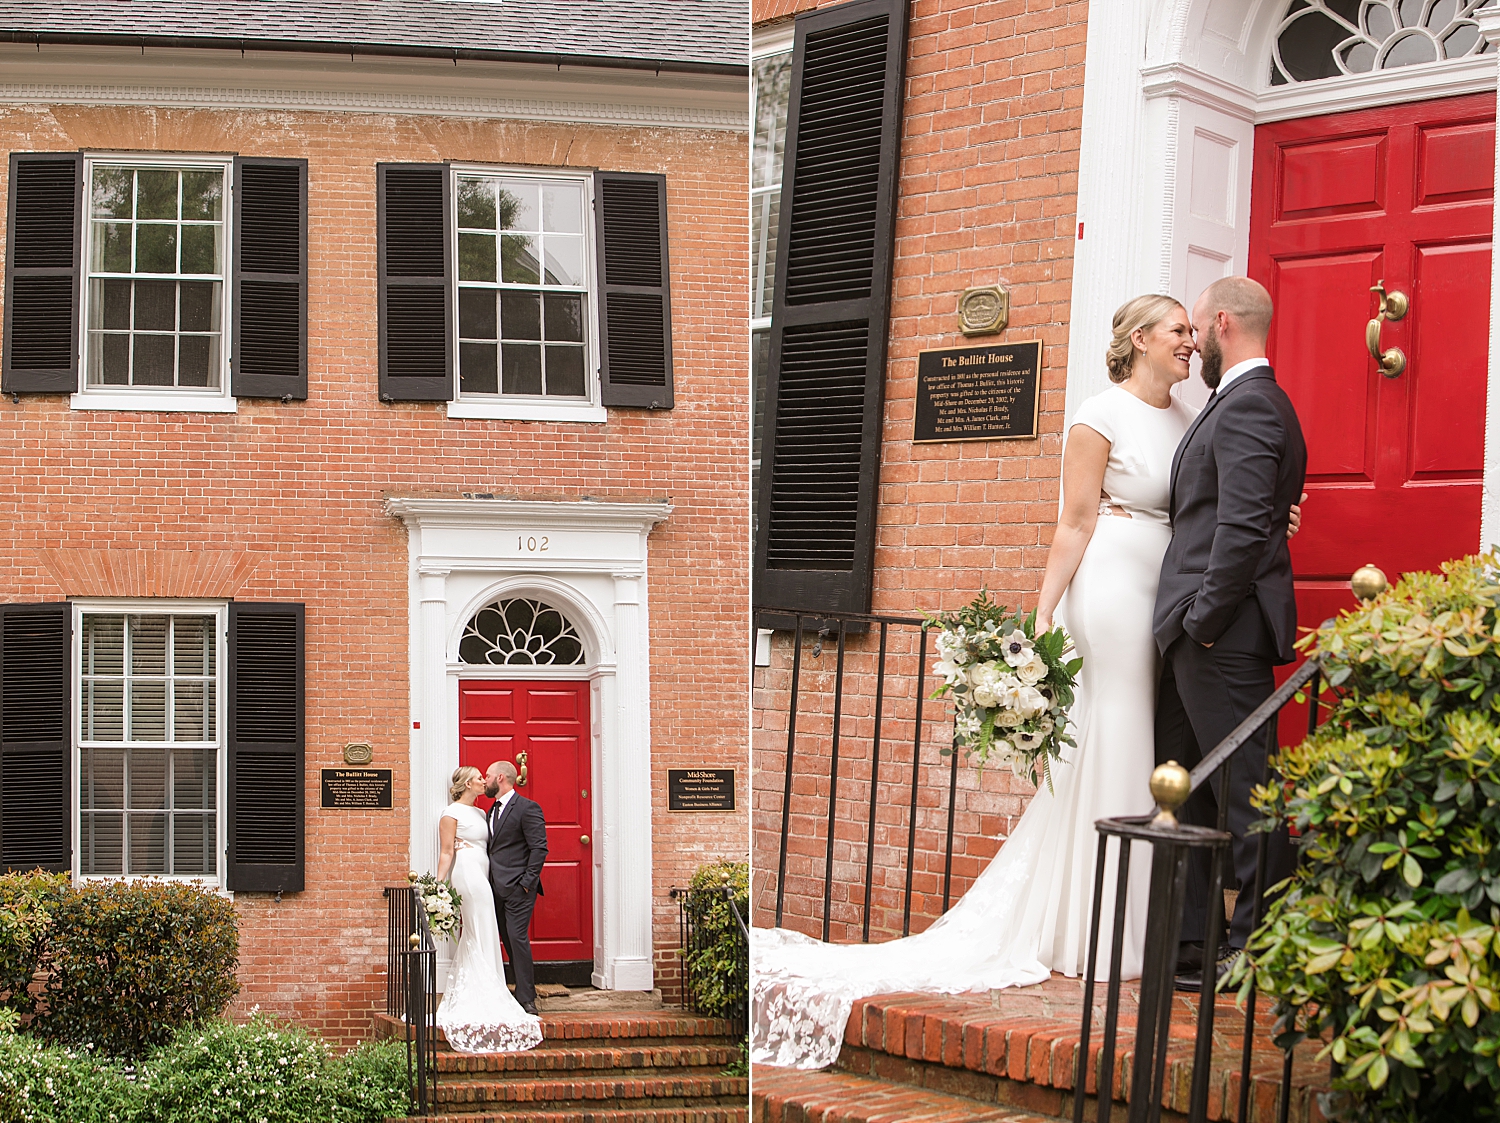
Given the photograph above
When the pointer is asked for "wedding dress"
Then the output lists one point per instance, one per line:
(478, 1013)
(1028, 913)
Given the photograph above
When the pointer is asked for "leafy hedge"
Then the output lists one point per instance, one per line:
(124, 964)
(717, 964)
(1386, 943)
(261, 1071)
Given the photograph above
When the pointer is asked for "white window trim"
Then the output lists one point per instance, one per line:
(159, 399)
(502, 407)
(149, 606)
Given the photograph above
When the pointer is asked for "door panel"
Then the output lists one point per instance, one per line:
(1344, 175)
(1449, 364)
(1457, 163)
(549, 722)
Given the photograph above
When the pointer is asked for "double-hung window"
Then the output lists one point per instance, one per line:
(154, 301)
(150, 740)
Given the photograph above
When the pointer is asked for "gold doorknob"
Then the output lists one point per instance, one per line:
(1368, 582)
(1171, 784)
(521, 775)
(583, 839)
(1392, 307)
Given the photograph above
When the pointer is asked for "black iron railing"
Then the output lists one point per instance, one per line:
(721, 990)
(909, 634)
(411, 991)
(1172, 852)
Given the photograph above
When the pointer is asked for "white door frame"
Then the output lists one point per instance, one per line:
(589, 560)
(1173, 91)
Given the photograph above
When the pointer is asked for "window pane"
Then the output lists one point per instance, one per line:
(103, 779)
(111, 250)
(476, 203)
(518, 262)
(103, 711)
(200, 249)
(193, 779)
(198, 301)
(476, 257)
(147, 769)
(148, 711)
(153, 360)
(211, 711)
(102, 849)
(562, 208)
(194, 360)
(156, 193)
(521, 368)
(476, 368)
(114, 361)
(148, 843)
(103, 645)
(564, 260)
(192, 844)
(518, 206)
(521, 315)
(564, 316)
(187, 711)
(155, 305)
(193, 645)
(155, 248)
(109, 305)
(203, 194)
(112, 192)
(476, 314)
(565, 371)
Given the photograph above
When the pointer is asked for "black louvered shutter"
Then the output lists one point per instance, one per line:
(416, 272)
(270, 279)
(820, 465)
(42, 253)
(265, 813)
(35, 750)
(635, 290)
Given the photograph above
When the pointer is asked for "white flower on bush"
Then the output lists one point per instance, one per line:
(1033, 670)
(1017, 648)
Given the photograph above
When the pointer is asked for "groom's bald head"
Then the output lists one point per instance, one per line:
(1246, 301)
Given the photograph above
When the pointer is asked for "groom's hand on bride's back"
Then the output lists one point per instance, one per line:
(1294, 517)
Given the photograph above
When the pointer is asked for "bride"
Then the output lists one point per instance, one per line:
(478, 1013)
(1028, 914)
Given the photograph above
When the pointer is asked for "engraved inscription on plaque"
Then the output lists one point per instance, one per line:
(700, 789)
(367, 789)
(978, 393)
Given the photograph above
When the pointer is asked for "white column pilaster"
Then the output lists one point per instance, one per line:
(435, 758)
(628, 792)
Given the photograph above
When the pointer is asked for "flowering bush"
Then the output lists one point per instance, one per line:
(1011, 687)
(441, 903)
(1386, 942)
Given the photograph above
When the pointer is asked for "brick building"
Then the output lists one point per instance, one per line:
(374, 399)
(1076, 155)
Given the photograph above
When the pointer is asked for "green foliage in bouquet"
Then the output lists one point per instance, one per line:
(1011, 688)
(1386, 941)
(718, 969)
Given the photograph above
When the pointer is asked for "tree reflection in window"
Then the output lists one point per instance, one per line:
(1328, 38)
(520, 633)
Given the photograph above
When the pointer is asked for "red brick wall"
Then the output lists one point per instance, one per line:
(988, 194)
(301, 484)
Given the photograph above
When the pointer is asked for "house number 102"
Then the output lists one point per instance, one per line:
(532, 545)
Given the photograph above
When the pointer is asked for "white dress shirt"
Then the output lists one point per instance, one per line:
(1238, 369)
(499, 808)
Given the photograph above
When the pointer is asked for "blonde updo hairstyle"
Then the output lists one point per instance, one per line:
(1142, 313)
(461, 777)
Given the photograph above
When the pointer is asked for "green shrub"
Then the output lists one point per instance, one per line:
(42, 1083)
(129, 963)
(1386, 942)
(717, 963)
(27, 904)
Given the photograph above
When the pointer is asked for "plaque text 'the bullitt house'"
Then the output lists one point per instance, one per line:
(978, 393)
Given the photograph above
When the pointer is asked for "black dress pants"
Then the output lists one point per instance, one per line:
(1204, 693)
(514, 913)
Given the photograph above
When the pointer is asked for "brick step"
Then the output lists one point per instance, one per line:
(634, 1029)
(599, 1092)
(660, 1060)
(787, 1095)
(594, 1115)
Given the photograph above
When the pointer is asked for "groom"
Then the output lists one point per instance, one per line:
(1225, 613)
(518, 847)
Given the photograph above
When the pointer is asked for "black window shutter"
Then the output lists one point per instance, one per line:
(635, 290)
(270, 279)
(36, 752)
(820, 460)
(416, 282)
(264, 823)
(42, 251)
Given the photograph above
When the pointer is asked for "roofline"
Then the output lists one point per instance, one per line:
(375, 50)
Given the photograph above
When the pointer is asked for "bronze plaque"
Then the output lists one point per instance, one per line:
(700, 789)
(359, 789)
(978, 393)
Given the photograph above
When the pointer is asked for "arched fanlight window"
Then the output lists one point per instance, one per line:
(520, 632)
(1327, 38)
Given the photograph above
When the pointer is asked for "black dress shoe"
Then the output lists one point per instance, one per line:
(1192, 981)
(1189, 958)
(529, 1007)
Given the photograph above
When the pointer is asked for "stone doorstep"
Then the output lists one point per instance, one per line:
(635, 1029)
(788, 1095)
(596, 1115)
(642, 1061)
(675, 1091)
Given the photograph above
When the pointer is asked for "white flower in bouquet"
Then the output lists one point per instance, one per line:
(1026, 742)
(950, 648)
(951, 673)
(1033, 670)
(987, 683)
(1008, 718)
(1017, 648)
(1030, 701)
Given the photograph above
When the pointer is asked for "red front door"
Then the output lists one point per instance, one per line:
(545, 726)
(1402, 195)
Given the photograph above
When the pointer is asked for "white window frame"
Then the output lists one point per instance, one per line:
(157, 607)
(156, 399)
(517, 407)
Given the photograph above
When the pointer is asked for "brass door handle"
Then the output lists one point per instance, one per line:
(1393, 307)
(583, 839)
(521, 775)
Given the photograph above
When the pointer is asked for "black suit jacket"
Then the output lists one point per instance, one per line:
(518, 847)
(1237, 472)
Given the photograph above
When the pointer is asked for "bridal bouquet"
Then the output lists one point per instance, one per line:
(440, 901)
(1012, 688)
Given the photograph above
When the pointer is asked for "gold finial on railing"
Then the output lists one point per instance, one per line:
(414, 941)
(1368, 582)
(1170, 787)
